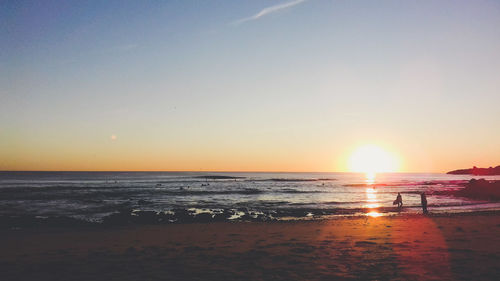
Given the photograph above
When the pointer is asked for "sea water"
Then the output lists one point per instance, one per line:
(93, 196)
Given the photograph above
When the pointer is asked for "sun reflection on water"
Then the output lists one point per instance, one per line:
(370, 178)
(374, 214)
(371, 196)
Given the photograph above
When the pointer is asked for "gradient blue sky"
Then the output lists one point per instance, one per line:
(248, 85)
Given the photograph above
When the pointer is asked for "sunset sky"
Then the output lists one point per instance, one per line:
(248, 85)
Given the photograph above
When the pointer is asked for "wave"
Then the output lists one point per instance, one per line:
(296, 191)
(365, 185)
(219, 177)
(266, 212)
(75, 192)
(215, 192)
(190, 215)
(293, 180)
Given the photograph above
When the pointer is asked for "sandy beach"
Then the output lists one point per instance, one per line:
(410, 247)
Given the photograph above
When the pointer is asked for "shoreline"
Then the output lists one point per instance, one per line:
(131, 218)
(404, 247)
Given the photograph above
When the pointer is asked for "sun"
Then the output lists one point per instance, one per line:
(372, 159)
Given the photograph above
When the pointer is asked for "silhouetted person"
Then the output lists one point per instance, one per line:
(399, 201)
(423, 199)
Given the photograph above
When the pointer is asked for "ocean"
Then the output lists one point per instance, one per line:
(170, 197)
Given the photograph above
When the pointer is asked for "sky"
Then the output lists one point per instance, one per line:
(286, 85)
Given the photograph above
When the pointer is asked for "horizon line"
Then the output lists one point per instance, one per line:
(202, 171)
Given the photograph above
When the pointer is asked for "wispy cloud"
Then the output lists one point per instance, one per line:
(268, 10)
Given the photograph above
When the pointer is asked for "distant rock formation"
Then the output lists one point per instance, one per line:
(481, 189)
(477, 171)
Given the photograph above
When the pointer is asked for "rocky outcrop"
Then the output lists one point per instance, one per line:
(481, 189)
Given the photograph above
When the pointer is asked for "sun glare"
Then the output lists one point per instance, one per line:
(371, 159)
(374, 214)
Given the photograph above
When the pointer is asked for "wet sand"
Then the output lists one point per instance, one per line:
(457, 247)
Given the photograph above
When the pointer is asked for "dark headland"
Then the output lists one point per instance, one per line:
(480, 188)
(477, 171)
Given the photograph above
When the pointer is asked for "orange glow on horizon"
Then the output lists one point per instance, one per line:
(122, 152)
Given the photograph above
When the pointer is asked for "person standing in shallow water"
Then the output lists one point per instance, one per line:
(423, 199)
(400, 201)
